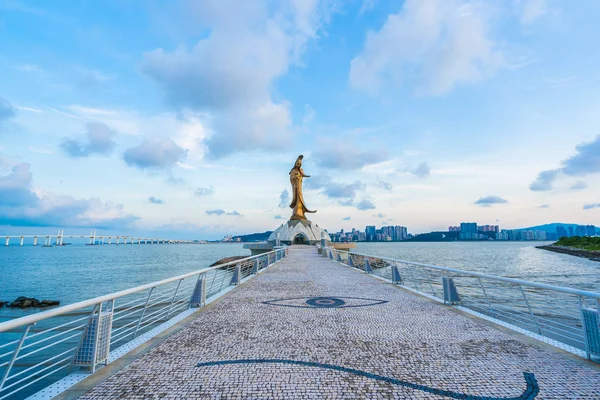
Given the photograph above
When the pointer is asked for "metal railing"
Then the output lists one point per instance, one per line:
(39, 349)
(565, 317)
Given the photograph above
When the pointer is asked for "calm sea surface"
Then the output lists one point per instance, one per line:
(78, 272)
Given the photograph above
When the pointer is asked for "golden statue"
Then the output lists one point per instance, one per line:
(296, 176)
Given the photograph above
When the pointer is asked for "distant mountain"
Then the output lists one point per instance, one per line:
(551, 227)
(253, 237)
(435, 237)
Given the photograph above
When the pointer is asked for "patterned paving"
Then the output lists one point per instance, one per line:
(395, 345)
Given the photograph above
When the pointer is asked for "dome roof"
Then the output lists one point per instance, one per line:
(289, 230)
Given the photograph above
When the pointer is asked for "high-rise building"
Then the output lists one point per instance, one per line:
(489, 228)
(454, 229)
(370, 233)
(571, 231)
(468, 230)
(561, 231)
(580, 230)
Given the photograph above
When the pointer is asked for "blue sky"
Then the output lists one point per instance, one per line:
(184, 117)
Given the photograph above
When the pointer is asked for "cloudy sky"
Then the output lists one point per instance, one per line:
(185, 117)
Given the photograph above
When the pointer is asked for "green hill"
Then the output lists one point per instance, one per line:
(551, 227)
(253, 237)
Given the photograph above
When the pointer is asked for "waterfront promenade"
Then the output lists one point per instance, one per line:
(312, 328)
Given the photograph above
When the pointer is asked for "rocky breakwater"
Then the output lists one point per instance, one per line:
(26, 302)
(593, 255)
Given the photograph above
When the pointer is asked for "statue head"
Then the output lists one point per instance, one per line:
(298, 163)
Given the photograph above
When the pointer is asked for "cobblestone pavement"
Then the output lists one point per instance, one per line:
(310, 329)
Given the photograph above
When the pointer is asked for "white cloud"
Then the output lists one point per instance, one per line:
(367, 5)
(309, 114)
(532, 10)
(439, 43)
(230, 73)
(187, 129)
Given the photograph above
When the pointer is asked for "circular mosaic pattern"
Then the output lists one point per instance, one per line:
(325, 302)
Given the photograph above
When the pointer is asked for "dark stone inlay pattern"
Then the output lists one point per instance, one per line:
(325, 302)
(530, 393)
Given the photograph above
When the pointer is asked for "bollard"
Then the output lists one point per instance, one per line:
(235, 279)
(396, 278)
(368, 269)
(7, 240)
(199, 295)
(35, 240)
(450, 293)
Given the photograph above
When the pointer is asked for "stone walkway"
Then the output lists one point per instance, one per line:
(311, 328)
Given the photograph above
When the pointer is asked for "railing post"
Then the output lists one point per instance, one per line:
(339, 257)
(368, 268)
(237, 273)
(173, 300)
(350, 260)
(256, 266)
(450, 293)
(530, 311)
(143, 313)
(486, 298)
(396, 278)
(15, 355)
(199, 296)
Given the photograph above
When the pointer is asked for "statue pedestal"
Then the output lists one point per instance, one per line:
(299, 232)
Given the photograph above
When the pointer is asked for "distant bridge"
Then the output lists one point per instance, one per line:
(58, 239)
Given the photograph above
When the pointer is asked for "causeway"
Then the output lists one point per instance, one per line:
(310, 328)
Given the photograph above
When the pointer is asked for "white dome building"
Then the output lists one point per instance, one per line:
(299, 232)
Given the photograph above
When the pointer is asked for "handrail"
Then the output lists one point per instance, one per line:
(32, 319)
(562, 289)
(561, 316)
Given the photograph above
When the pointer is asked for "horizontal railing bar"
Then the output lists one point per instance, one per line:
(52, 337)
(45, 347)
(29, 337)
(576, 292)
(32, 382)
(8, 344)
(31, 319)
(38, 372)
(544, 322)
(502, 316)
(39, 364)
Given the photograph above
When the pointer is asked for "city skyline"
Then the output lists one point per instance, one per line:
(123, 118)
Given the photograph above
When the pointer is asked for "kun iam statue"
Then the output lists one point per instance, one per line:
(296, 176)
(298, 230)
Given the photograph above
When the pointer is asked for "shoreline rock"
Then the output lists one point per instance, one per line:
(27, 302)
(591, 255)
(227, 259)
